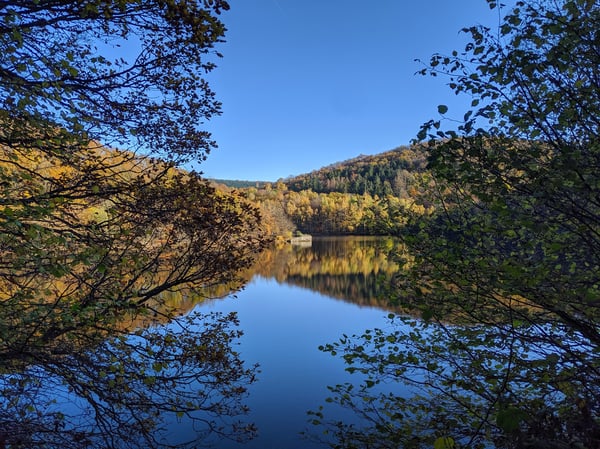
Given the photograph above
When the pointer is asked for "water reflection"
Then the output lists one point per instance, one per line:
(188, 381)
(352, 269)
(296, 300)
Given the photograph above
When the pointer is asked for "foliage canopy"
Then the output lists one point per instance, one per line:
(506, 271)
(97, 244)
(123, 72)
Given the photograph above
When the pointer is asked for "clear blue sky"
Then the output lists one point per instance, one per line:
(306, 83)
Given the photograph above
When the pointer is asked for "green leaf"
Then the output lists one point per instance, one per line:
(427, 314)
(444, 443)
(510, 419)
(442, 108)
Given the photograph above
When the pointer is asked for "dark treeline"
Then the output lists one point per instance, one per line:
(238, 183)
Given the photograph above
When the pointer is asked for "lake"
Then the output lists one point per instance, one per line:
(296, 299)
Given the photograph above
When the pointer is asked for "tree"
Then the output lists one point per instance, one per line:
(120, 72)
(506, 272)
(95, 240)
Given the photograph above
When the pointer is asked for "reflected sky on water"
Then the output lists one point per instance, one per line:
(283, 327)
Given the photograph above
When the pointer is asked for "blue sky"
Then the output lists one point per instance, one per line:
(306, 83)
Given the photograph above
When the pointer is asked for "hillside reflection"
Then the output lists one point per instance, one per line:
(353, 269)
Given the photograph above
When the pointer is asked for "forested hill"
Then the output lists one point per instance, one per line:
(362, 196)
(389, 173)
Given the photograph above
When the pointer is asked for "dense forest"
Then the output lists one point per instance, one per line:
(367, 195)
(390, 173)
(237, 183)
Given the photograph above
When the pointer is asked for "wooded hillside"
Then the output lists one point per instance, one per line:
(367, 195)
(389, 173)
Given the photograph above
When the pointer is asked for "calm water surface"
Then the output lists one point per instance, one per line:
(298, 299)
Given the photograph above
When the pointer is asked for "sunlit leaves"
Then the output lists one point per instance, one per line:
(444, 443)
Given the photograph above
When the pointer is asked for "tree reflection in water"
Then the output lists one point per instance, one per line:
(128, 388)
(353, 269)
